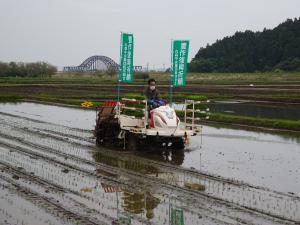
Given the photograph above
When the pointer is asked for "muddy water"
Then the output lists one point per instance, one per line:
(261, 162)
(256, 109)
(49, 163)
(255, 157)
(71, 117)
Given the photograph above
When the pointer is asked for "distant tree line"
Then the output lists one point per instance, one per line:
(20, 69)
(275, 49)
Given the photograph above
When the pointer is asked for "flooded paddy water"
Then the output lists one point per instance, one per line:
(51, 172)
(257, 109)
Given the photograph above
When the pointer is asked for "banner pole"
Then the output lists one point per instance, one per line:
(119, 80)
(171, 77)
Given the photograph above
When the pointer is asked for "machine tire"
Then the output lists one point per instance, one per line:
(99, 136)
(178, 145)
(106, 132)
(99, 141)
(131, 143)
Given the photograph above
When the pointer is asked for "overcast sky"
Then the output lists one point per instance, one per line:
(65, 32)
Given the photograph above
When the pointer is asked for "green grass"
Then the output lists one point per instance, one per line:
(293, 125)
(162, 78)
(56, 80)
(234, 78)
(244, 78)
(10, 98)
(176, 97)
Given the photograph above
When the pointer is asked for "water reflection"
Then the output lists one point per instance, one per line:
(124, 162)
(140, 202)
(280, 136)
(137, 164)
(173, 157)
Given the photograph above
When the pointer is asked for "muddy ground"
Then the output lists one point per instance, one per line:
(52, 173)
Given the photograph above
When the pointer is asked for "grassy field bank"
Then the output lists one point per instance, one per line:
(163, 78)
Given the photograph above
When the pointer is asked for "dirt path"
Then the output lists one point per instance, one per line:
(57, 172)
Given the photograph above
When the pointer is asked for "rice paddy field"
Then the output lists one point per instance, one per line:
(243, 168)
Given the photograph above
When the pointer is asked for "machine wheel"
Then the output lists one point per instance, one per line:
(178, 145)
(99, 135)
(131, 143)
(99, 141)
(106, 132)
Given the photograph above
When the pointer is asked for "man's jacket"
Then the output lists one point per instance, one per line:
(151, 95)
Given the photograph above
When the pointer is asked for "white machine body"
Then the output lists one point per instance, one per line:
(162, 121)
(163, 117)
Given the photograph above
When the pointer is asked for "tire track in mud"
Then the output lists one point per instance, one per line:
(58, 193)
(33, 188)
(70, 131)
(72, 195)
(18, 210)
(132, 185)
(65, 137)
(138, 187)
(71, 139)
(131, 174)
(26, 151)
(48, 203)
(211, 208)
(227, 184)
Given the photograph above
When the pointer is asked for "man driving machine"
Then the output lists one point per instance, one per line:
(152, 95)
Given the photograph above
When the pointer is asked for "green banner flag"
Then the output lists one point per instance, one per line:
(126, 58)
(180, 50)
(177, 217)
